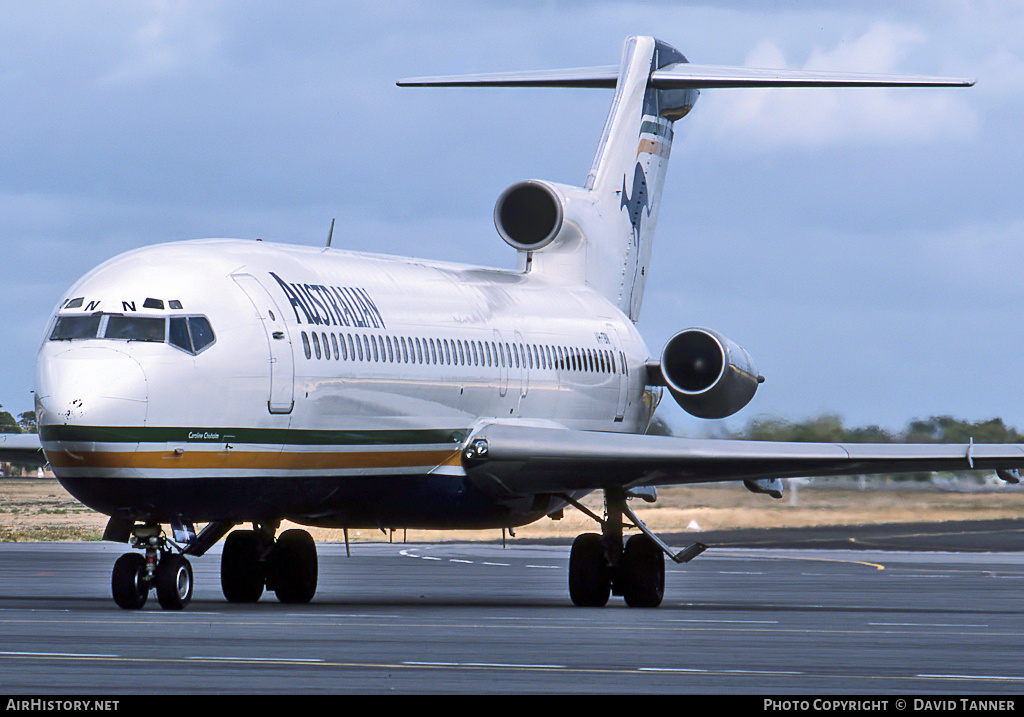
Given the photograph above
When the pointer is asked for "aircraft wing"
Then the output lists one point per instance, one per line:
(22, 448)
(527, 459)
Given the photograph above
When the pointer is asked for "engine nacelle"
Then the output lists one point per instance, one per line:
(707, 374)
(529, 215)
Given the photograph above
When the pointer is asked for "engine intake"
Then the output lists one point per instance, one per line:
(707, 374)
(528, 215)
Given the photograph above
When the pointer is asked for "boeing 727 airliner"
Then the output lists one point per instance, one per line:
(228, 383)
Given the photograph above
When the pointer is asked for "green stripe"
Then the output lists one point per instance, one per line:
(661, 130)
(270, 436)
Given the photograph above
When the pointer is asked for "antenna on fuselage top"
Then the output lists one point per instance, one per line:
(329, 235)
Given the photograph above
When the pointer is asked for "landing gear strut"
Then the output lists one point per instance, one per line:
(134, 575)
(600, 565)
(252, 560)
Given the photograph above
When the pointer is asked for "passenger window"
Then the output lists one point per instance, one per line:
(316, 345)
(327, 347)
(334, 346)
(305, 340)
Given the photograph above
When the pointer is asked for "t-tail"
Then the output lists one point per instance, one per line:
(600, 234)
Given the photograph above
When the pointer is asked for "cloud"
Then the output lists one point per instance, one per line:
(170, 37)
(766, 120)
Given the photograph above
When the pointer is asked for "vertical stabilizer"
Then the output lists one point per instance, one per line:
(628, 173)
(600, 235)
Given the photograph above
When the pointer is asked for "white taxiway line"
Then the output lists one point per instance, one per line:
(52, 654)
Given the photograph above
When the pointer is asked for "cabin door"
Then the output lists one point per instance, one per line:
(282, 364)
(500, 361)
(622, 379)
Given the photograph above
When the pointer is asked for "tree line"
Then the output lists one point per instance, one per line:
(24, 423)
(829, 428)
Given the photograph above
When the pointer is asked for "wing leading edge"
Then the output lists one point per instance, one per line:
(528, 459)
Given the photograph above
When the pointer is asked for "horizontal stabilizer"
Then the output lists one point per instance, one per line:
(684, 75)
(604, 76)
(687, 76)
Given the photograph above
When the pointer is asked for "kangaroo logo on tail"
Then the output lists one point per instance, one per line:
(636, 200)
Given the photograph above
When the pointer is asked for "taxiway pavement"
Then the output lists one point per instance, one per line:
(480, 618)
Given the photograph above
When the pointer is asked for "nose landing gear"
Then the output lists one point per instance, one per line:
(169, 573)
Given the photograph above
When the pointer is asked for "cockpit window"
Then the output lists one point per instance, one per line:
(202, 332)
(135, 328)
(69, 328)
(178, 335)
(191, 334)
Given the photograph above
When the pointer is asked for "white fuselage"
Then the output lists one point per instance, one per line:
(337, 388)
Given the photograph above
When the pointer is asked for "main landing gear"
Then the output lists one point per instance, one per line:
(600, 565)
(252, 560)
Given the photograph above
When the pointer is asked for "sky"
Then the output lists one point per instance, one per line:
(864, 245)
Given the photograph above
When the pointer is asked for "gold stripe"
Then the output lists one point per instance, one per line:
(220, 460)
(653, 147)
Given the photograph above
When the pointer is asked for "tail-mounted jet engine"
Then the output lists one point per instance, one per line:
(528, 215)
(707, 374)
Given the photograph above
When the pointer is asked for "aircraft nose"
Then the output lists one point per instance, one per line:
(91, 387)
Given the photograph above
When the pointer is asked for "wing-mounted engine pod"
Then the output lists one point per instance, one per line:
(708, 375)
(528, 215)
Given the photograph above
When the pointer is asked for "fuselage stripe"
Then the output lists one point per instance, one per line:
(246, 460)
(255, 436)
